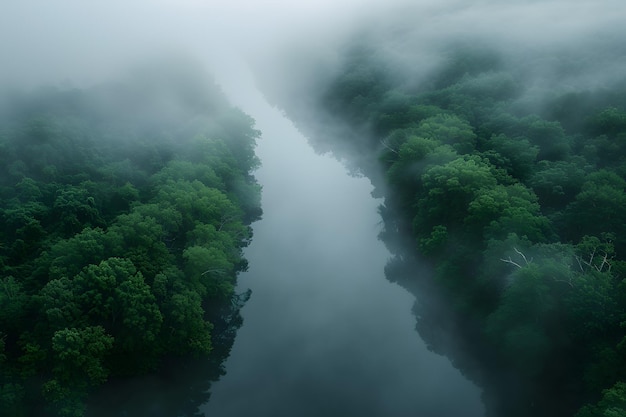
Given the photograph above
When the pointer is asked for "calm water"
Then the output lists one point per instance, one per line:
(324, 334)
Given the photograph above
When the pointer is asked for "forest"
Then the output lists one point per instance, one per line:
(495, 137)
(125, 208)
(516, 201)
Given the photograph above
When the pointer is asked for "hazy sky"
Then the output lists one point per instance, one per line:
(50, 41)
(79, 42)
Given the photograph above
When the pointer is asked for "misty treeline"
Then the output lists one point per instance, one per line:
(124, 208)
(516, 198)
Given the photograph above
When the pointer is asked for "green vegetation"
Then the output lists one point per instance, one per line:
(125, 208)
(520, 214)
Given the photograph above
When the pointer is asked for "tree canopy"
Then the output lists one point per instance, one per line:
(123, 233)
(520, 214)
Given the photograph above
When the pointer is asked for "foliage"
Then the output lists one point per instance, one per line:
(612, 404)
(123, 234)
(521, 216)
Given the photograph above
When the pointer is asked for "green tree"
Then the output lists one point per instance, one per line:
(102, 210)
(67, 257)
(209, 271)
(180, 170)
(553, 143)
(75, 209)
(14, 302)
(113, 294)
(448, 191)
(449, 130)
(520, 326)
(199, 204)
(79, 355)
(557, 183)
(59, 304)
(141, 239)
(612, 403)
(409, 164)
(610, 121)
(499, 211)
(518, 155)
(598, 209)
(187, 330)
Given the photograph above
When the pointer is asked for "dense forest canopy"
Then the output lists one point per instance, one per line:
(495, 131)
(507, 174)
(125, 207)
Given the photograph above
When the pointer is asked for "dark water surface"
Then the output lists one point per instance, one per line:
(324, 333)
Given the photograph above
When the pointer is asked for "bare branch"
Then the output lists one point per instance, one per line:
(590, 263)
(382, 141)
(604, 262)
(510, 261)
(522, 255)
(217, 271)
(579, 264)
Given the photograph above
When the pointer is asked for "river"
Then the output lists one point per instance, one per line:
(324, 333)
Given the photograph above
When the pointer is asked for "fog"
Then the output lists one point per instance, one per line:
(324, 333)
(74, 43)
(548, 45)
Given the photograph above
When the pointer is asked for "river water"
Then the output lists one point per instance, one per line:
(324, 333)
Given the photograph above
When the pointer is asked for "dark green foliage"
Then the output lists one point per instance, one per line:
(521, 215)
(122, 234)
(612, 404)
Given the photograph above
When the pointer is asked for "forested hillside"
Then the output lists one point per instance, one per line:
(516, 199)
(124, 211)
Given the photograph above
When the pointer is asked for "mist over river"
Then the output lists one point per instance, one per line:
(324, 332)
(489, 281)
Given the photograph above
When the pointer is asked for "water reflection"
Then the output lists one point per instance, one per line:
(180, 386)
(324, 333)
